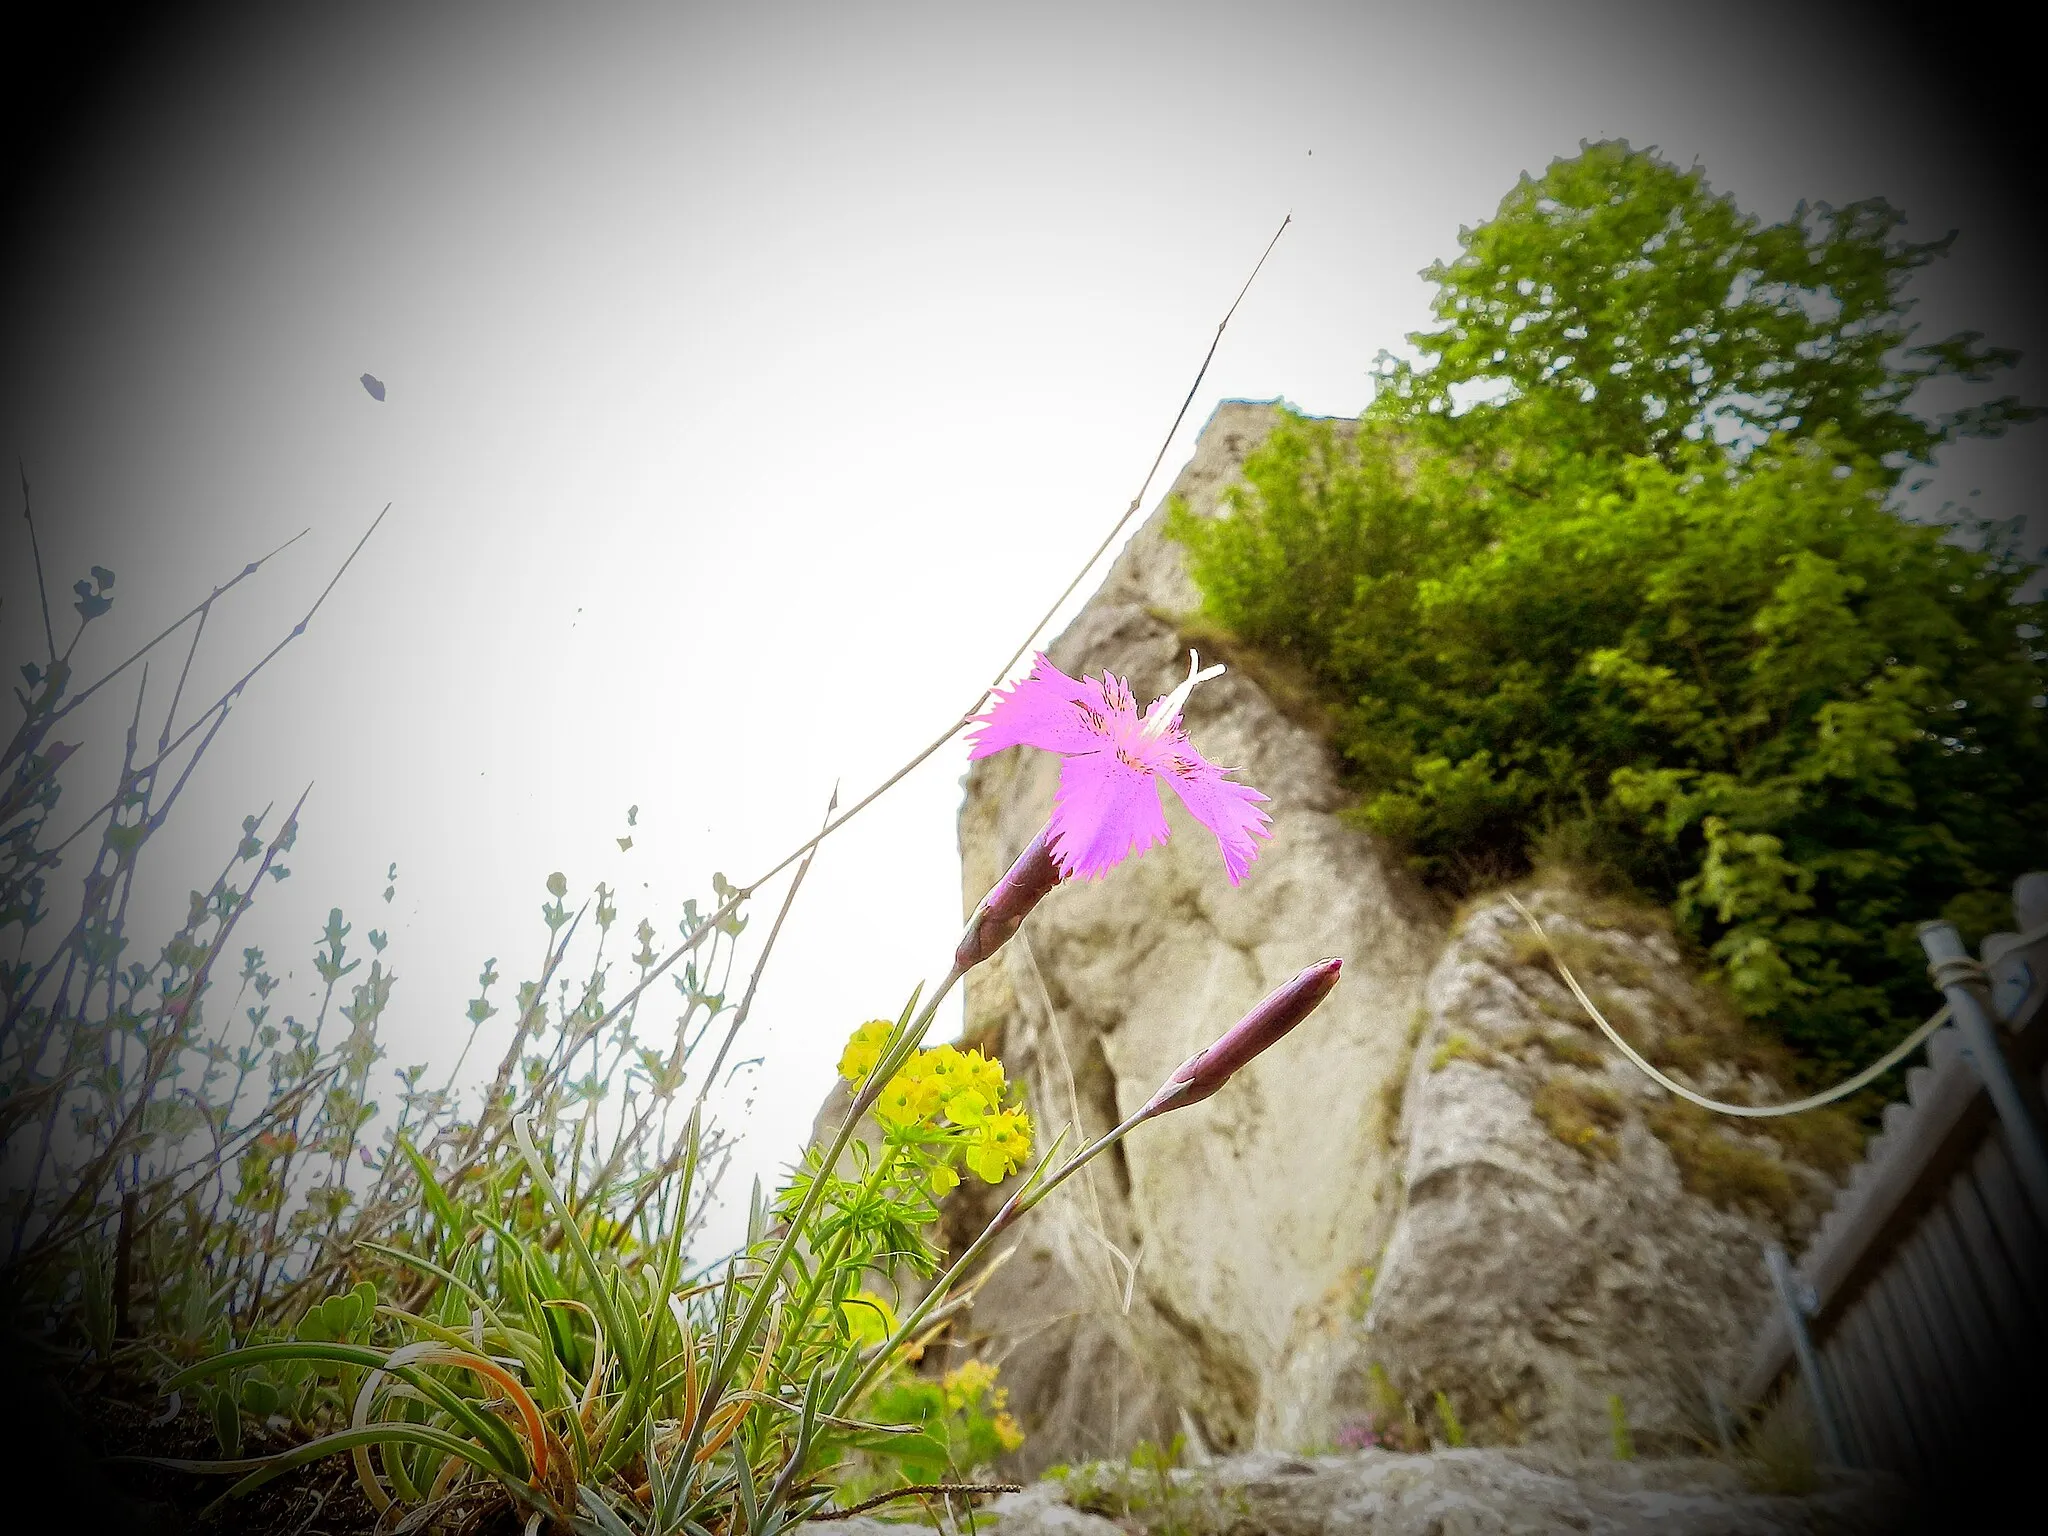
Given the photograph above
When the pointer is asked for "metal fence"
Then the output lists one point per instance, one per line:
(1916, 1320)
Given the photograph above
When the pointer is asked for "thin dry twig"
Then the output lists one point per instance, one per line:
(918, 1490)
(967, 715)
(1099, 1227)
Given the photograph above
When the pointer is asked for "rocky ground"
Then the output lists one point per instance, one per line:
(1449, 1493)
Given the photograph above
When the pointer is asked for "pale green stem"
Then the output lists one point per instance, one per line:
(1023, 1200)
(799, 1221)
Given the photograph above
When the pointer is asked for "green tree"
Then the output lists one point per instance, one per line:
(1618, 306)
(1592, 616)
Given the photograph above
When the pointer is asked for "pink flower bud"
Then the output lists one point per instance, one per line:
(1207, 1070)
(1003, 909)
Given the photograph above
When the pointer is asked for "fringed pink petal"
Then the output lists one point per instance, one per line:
(1106, 810)
(1048, 710)
(1227, 808)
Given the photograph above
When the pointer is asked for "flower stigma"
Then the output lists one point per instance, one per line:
(1168, 709)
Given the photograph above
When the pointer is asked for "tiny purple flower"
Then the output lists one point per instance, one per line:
(1210, 1068)
(1356, 1435)
(1107, 807)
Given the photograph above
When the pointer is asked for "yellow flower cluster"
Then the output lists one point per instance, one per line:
(869, 1319)
(864, 1049)
(964, 1388)
(964, 1087)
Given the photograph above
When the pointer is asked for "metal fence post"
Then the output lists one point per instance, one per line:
(1957, 975)
(1794, 1299)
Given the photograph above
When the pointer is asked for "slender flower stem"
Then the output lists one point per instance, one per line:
(967, 715)
(1193, 1081)
(1032, 1191)
(800, 1219)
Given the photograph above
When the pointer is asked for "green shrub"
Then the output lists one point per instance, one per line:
(1663, 611)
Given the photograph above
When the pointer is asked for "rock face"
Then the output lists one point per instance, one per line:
(1369, 1193)
(1549, 1252)
(1248, 1219)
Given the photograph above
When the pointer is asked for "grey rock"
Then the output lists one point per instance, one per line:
(1214, 1275)
(1204, 1271)
(1527, 1278)
(1481, 1493)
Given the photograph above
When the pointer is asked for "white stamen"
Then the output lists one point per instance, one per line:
(1168, 710)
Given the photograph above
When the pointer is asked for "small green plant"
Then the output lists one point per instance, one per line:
(1393, 1094)
(1361, 1293)
(1392, 1416)
(1583, 1114)
(1151, 1492)
(1620, 1441)
(965, 1425)
(1569, 1050)
(1459, 1046)
(1447, 1420)
(1778, 1453)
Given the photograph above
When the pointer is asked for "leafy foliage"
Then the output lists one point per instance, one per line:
(962, 1424)
(1594, 620)
(1617, 306)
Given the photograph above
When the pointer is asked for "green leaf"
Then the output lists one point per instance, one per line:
(227, 1420)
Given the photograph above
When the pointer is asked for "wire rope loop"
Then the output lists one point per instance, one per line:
(1842, 1090)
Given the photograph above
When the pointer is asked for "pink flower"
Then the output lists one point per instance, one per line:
(1108, 805)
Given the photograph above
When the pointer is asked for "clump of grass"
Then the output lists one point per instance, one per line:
(1778, 1455)
(1566, 1050)
(1361, 1293)
(1526, 948)
(1583, 1115)
(1713, 1164)
(1827, 1138)
(1589, 957)
(1687, 1050)
(1508, 1423)
(1459, 1046)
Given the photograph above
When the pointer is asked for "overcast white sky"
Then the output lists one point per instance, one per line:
(755, 377)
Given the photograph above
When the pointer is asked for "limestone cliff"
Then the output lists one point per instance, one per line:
(1401, 1183)
(1569, 1230)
